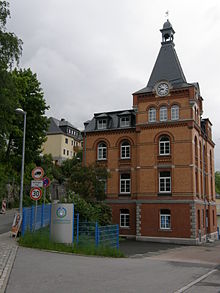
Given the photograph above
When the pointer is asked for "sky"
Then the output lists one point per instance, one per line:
(90, 56)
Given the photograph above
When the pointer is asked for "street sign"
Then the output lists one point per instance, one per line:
(36, 183)
(35, 193)
(46, 181)
(37, 173)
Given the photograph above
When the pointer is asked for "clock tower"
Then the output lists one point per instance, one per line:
(160, 155)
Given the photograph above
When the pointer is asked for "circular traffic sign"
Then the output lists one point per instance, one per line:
(37, 173)
(35, 193)
(46, 181)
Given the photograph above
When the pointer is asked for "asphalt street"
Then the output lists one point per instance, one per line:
(41, 271)
(6, 221)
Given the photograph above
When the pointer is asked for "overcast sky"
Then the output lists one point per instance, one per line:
(91, 55)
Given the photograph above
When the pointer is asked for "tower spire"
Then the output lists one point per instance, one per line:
(167, 32)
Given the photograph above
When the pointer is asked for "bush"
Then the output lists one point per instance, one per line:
(90, 211)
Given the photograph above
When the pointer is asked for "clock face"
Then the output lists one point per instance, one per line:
(162, 89)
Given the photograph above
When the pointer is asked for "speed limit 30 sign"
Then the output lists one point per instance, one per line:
(35, 193)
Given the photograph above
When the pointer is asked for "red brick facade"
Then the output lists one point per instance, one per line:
(171, 182)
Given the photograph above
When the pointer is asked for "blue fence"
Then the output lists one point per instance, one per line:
(90, 232)
(35, 218)
(218, 233)
(84, 232)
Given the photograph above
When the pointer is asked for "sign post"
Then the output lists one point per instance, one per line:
(35, 194)
(46, 183)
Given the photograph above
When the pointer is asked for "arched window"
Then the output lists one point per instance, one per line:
(174, 112)
(125, 150)
(164, 145)
(152, 115)
(124, 218)
(163, 113)
(102, 151)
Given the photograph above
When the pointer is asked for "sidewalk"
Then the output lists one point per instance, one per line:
(8, 249)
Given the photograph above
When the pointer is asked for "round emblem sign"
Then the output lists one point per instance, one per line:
(61, 212)
(37, 173)
(35, 193)
(46, 181)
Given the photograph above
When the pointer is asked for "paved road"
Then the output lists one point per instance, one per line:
(41, 271)
(6, 221)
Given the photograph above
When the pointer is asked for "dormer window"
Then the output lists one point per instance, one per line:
(125, 121)
(102, 124)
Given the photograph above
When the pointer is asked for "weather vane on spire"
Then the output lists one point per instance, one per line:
(167, 14)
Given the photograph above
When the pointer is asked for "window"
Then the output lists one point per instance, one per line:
(152, 115)
(125, 121)
(124, 218)
(71, 153)
(102, 151)
(175, 112)
(67, 152)
(164, 145)
(102, 123)
(72, 142)
(125, 150)
(125, 183)
(163, 113)
(165, 223)
(104, 183)
(66, 140)
(64, 151)
(164, 182)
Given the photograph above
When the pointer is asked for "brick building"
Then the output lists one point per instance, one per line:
(160, 157)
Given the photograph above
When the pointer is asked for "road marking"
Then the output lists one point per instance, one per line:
(183, 289)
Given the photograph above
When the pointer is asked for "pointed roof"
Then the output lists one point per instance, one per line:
(167, 66)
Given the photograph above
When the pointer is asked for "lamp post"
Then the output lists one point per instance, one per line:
(22, 112)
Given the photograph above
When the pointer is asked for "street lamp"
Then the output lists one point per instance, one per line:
(22, 112)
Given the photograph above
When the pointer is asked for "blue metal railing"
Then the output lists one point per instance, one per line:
(84, 233)
(35, 218)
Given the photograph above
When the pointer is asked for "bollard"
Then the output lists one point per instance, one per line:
(3, 211)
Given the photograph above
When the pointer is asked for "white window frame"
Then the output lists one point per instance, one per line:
(163, 113)
(102, 151)
(166, 221)
(175, 112)
(124, 219)
(152, 115)
(125, 184)
(163, 146)
(101, 123)
(125, 121)
(165, 180)
(125, 150)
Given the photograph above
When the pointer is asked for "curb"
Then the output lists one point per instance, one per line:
(7, 269)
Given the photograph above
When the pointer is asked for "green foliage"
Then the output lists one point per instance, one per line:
(90, 189)
(217, 182)
(90, 211)
(30, 99)
(10, 45)
(41, 240)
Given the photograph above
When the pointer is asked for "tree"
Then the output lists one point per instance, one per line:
(87, 181)
(11, 46)
(10, 51)
(30, 98)
(217, 182)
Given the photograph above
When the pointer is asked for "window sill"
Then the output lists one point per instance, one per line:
(164, 194)
(126, 228)
(165, 230)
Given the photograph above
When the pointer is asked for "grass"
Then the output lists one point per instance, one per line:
(41, 240)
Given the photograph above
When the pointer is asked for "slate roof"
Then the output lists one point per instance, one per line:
(60, 126)
(113, 120)
(167, 66)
